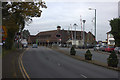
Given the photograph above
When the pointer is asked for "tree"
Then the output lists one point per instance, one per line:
(115, 30)
(72, 51)
(88, 55)
(25, 34)
(112, 60)
(16, 14)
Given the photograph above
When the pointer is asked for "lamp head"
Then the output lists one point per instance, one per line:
(75, 24)
(90, 8)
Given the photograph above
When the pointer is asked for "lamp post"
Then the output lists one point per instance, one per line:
(84, 32)
(95, 20)
(75, 32)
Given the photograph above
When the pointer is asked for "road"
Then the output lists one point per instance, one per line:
(43, 62)
(97, 55)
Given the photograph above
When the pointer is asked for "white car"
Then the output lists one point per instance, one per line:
(97, 47)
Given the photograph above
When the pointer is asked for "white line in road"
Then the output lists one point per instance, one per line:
(83, 76)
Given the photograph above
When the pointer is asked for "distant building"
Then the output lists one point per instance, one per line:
(61, 37)
(90, 38)
(110, 39)
(32, 39)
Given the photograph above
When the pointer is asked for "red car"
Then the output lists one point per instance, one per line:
(109, 48)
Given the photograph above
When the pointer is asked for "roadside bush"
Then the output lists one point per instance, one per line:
(112, 60)
(72, 51)
(88, 55)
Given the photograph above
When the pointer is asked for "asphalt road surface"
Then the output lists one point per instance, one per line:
(43, 62)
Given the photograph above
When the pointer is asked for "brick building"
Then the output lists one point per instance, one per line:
(61, 37)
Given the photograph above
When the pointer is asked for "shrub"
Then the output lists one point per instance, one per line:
(112, 60)
(72, 51)
(88, 55)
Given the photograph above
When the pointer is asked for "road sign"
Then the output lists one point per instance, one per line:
(4, 32)
(60, 39)
(58, 35)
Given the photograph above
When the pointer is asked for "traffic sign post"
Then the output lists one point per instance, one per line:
(58, 36)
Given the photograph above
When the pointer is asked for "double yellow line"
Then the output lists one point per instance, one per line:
(22, 69)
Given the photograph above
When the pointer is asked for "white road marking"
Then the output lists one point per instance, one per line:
(83, 76)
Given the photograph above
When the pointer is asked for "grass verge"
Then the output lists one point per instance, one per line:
(5, 52)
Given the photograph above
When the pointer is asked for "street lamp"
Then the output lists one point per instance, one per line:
(75, 32)
(95, 20)
(84, 32)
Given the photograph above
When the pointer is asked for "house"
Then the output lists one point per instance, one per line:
(110, 39)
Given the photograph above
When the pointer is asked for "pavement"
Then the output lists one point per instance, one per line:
(43, 62)
(97, 55)
(10, 66)
(0, 68)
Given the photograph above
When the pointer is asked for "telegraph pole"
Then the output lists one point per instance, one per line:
(84, 32)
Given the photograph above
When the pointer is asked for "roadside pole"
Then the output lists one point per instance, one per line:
(0, 40)
(84, 32)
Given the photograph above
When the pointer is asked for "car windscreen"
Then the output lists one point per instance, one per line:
(111, 46)
(119, 48)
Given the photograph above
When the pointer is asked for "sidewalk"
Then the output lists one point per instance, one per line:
(10, 67)
(97, 56)
(0, 68)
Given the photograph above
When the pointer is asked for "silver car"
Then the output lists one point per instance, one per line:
(102, 48)
(117, 49)
(34, 46)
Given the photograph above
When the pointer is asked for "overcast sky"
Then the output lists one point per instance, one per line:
(68, 12)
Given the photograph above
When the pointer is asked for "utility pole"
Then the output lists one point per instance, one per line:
(81, 26)
(71, 32)
(95, 24)
(84, 32)
(95, 20)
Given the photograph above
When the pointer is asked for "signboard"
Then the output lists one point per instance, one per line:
(60, 39)
(4, 32)
(1, 44)
(58, 35)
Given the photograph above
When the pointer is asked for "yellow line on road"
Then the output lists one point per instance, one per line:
(22, 67)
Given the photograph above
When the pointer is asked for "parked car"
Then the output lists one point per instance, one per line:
(82, 47)
(109, 48)
(90, 46)
(24, 45)
(117, 49)
(102, 48)
(34, 46)
(97, 47)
